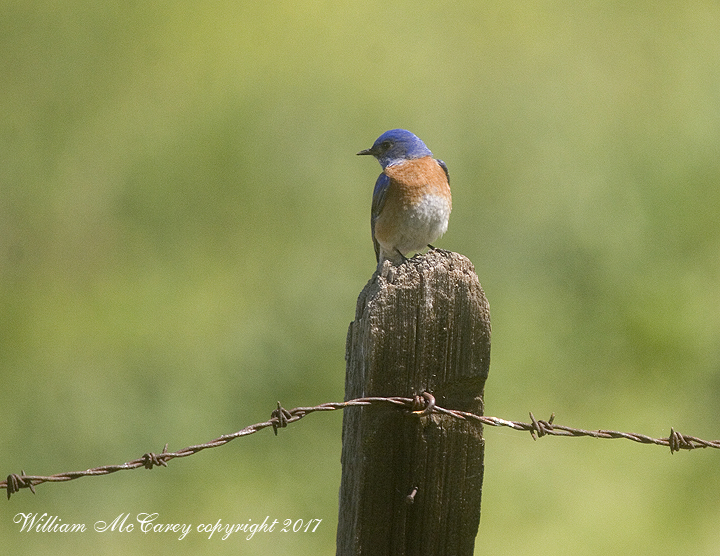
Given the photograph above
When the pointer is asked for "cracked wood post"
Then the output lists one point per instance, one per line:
(421, 326)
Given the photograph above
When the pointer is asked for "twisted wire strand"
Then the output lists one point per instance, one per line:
(421, 406)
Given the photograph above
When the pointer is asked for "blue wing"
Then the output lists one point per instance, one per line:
(378, 201)
(444, 167)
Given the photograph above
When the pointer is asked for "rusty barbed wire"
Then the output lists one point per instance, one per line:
(421, 406)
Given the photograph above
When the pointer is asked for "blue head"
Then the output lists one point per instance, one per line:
(395, 146)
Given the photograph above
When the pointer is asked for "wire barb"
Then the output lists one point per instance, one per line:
(540, 427)
(421, 405)
(280, 417)
(16, 482)
(151, 459)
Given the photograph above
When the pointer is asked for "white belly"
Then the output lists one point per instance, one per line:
(420, 225)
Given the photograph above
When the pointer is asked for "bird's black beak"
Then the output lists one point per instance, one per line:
(367, 151)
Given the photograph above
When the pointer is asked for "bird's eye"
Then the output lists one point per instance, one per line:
(385, 145)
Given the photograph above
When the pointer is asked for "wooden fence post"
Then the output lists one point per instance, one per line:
(411, 484)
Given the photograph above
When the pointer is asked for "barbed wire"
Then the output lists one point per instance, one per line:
(423, 405)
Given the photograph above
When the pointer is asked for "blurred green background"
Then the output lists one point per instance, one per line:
(184, 230)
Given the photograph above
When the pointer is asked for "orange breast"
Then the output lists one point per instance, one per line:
(416, 178)
(405, 222)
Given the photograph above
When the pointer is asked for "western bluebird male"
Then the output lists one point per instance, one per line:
(411, 202)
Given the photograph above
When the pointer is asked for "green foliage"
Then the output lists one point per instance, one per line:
(184, 229)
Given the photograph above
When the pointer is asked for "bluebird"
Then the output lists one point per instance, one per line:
(411, 202)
